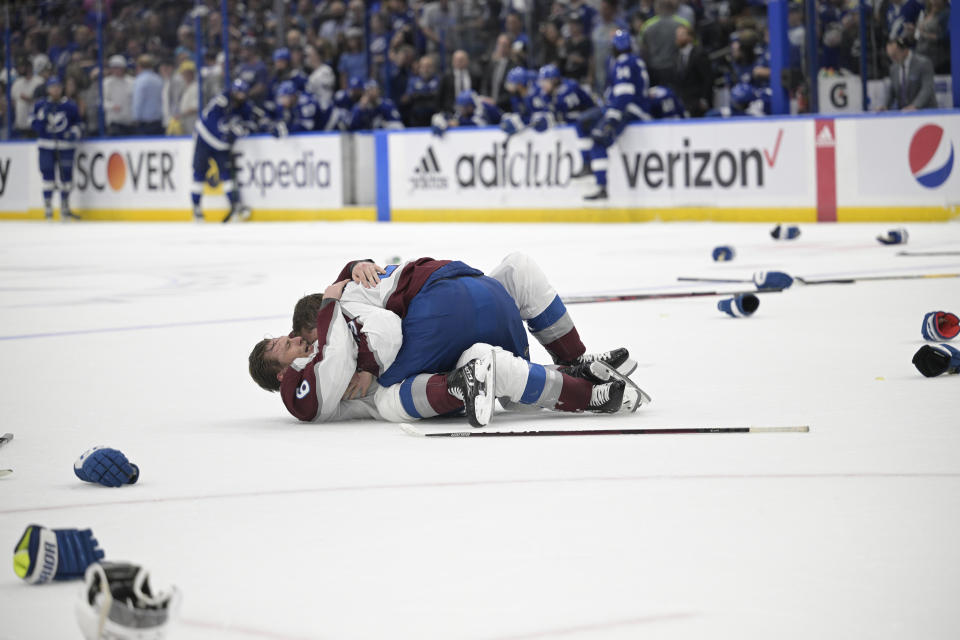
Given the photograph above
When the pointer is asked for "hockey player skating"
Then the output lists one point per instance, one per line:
(626, 101)
(227, 117)
(362, 337)
(57, 123)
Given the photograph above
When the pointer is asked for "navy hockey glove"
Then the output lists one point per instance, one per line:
(42, 554)
(106, 466)
(933, 360)
(511, 124)
(772, 280)
(785, 233)
(940, 325)
(741, 306)
(540, 122)
(894, 236)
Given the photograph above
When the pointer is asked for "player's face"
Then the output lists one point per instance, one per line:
(55, 91)
(547, 85)
(285, 350)
(286, 101)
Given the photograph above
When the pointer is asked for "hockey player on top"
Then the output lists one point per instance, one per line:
(424, 319)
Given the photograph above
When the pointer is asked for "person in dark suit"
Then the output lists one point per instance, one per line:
(911, 76)
(460, 78)
(693, 81)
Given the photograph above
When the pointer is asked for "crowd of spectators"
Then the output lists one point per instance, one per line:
(422, 54)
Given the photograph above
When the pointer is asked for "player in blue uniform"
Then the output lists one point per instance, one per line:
(57, 123)
(567, 102)
(374, 112)
(626, 101)
(227, 117)
(745, 100)
(345, 99)
(471, 111)
(296, 111)
(664, 104)
(526, 99)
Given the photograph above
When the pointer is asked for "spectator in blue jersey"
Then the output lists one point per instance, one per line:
(56, 122)
(747, 59)
(373, 111)
(422, 98)
(626, 101)
(281, 70)
(345, 99)
(147, 98)
(900, 19)
(401, 21)
(353, 59)
(227, 117)
(513, 28)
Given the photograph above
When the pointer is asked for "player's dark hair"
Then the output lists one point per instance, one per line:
(263, 370)
(305, 313)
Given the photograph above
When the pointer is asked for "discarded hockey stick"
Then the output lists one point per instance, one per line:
(477, 433)
(5, 472)
(928, 253)
(737, 280)
(853, 279)
(624, 297)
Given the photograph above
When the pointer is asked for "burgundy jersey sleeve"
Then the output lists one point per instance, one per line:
(312, 387)
(347, 272)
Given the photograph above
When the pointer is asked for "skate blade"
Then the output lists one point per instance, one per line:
(636, 397)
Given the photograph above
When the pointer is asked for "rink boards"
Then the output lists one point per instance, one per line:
(863, 168)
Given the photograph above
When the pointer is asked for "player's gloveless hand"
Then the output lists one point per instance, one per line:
(335, 290)
(359, 385)
(365, 274)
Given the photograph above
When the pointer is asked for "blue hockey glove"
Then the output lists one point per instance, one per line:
(741, 306)
(540, 122)
(772, 280)
(106, 466)
(42, 554)
(940, 325)
(723, 254)
(894, 236)
(511, 124)
(933, 360)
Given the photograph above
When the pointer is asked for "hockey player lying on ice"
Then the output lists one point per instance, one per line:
(410, 324)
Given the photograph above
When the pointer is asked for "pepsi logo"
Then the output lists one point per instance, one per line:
(931, 156)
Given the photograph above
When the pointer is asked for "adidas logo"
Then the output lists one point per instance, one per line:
(427, 173)
(825, 137)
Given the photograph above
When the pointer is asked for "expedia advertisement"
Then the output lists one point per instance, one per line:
(296, 172)
(753, 163)
(899, 160)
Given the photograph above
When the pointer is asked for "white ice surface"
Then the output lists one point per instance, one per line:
(136, 337)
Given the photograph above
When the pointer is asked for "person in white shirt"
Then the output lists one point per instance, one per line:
(189, 99)
(322, 81)
(118, 98)
(22, 92)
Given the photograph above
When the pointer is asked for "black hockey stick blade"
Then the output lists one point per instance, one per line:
(626, 297)
(481, 433)
(928, 253)
(853, 279)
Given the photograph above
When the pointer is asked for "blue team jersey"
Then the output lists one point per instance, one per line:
(221, 122)
(526, 106)
(57, 123)
(484, 114)
(306, 115)
(663, 103)
(382, 116)
(570, 101)
(627, 82)
(254, 73)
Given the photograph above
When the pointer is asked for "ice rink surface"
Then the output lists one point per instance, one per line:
(136, 336)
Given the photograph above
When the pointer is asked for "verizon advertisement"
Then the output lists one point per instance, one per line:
(901, 160)
(752, 163)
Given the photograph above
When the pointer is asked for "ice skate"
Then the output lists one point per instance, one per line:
(474, 383)
(607, 397)
(633, 396)
(599, 194)
(618, 359)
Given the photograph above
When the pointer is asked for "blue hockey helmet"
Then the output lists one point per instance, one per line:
(281, 54)
(240, 86)
(465, 98)
(286, 88)
(355, 84)
(621, 41)
(549, 72)
(370, 84)
(517, 76)
(742, 94)
(53, 80)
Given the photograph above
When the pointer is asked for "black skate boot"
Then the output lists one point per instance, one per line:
(618, 359)
(607, 397)
(66, 214)
(474, 384)
(592, 372)
(584, 172)
(599, 194)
